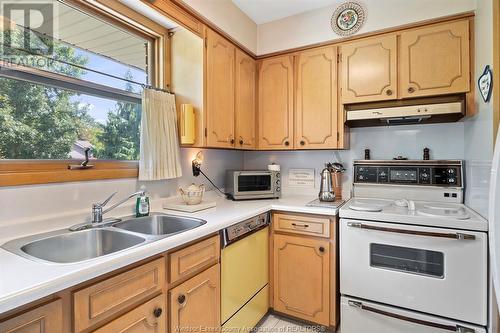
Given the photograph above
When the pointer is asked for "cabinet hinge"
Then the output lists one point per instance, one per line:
(338, 136)
(206, 133)
(339, 57)
(206, 42)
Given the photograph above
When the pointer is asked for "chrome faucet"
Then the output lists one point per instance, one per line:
(97, 208)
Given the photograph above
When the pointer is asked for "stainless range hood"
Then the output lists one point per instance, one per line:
(406, 112)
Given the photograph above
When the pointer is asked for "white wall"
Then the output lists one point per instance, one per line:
(479, 129)
(314, 26)
(228, 17)
(23, 203)
(445, 141)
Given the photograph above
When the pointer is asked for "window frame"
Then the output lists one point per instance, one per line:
(30, 172)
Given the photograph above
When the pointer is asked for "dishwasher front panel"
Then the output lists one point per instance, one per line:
(244, 271)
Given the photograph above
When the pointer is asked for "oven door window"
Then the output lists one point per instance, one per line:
(408, 260)
(254, 183)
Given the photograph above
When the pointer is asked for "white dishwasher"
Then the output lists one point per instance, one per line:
(245, 273)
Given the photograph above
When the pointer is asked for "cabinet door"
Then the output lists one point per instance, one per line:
(276, 103)
(435, 60)
(195, 304)
(369, 70)
(146, 318)
(220, 91)
(46, 318)
(316, 94)
(302, 277)
(245, 101)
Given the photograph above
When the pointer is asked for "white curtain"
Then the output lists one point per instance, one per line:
(160, 152)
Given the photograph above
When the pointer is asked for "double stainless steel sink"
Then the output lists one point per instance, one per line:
(93, 241)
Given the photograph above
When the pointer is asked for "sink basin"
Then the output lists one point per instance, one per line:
(160, 224)
(82, 245)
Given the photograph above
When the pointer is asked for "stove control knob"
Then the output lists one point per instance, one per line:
(451, 171)
(360, 177)
(277, 181)
(451, 180)
(424, 175)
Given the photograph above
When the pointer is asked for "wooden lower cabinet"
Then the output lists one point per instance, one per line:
(43, 319)
(195, 304)
(147, 318)
(301, 277)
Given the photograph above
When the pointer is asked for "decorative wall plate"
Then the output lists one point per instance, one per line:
(485, 84)
(348, 18)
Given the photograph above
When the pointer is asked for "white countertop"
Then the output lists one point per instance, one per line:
(23, 280)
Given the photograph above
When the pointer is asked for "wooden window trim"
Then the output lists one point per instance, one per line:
(30, 172)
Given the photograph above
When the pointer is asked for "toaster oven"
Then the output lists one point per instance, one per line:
(246, 185)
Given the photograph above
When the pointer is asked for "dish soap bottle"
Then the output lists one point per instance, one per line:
(142, 205)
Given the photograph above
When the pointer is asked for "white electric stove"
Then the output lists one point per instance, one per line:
(413, 257)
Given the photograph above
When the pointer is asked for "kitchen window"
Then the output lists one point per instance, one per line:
(74, 89)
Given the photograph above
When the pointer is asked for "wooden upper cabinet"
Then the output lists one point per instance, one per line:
(435, 60)
(302, 277)
(220, 91)
(245, 101)
(195, 304)
(316, 99)
(369, 70)
(43, 319)
(276, 103)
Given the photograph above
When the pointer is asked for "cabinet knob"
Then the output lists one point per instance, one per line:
(411, 90)
(287, 143)
(302, 142)
(388, 92)
(232, 141)
(241, 142)
(157, 312)
(321, 249)
(181, 299)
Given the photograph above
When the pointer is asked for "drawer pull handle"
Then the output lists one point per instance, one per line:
(321, 249)
(411, 90)
(287, 143)
(241, 142)
(181, 299)
(388, 92)
(157, 312)
(451, 328)
(300, 225)
(457, 236)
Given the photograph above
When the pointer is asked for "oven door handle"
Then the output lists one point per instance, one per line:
(451, 328)
(457, 235)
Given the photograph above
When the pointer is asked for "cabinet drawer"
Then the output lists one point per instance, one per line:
(46, 318)
(304, 225)
(104, 299)
(194, 258)
(148, 317)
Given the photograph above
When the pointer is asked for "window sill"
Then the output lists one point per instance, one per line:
(30, 172)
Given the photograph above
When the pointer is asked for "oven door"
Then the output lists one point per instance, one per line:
(438, 271)
(253, 183)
